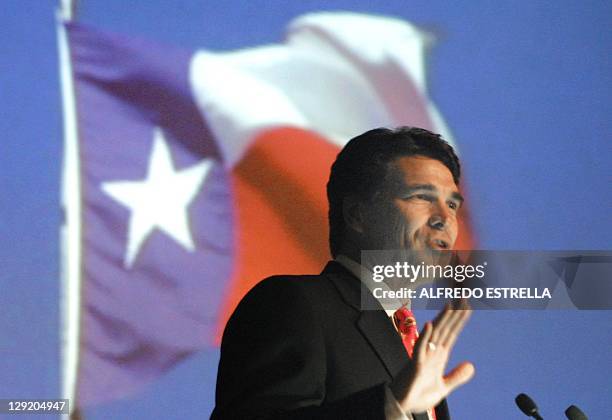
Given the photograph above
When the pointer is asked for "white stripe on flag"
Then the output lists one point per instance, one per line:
(338, 74)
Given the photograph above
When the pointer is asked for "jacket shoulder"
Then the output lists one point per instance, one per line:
(283, 292)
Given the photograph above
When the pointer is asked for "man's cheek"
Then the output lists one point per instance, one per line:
(453, 231)
(400, 233)
(454, 236)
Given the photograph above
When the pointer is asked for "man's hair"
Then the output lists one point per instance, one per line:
(362, 167)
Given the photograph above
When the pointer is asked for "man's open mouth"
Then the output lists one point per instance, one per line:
(438, 244)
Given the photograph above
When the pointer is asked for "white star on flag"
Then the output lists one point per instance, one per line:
(161, 200)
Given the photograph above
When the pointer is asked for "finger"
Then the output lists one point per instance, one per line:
(454, 328)
(446, 328)
(462, 304)
(459, 376)
(441, 314)
(457, 327)
(440, 322)
(424, 338)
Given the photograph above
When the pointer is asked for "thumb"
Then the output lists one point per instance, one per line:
(459, 375)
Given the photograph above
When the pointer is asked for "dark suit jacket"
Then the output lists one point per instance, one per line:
(299, 347)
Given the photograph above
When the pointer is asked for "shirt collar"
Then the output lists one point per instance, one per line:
(365, 275)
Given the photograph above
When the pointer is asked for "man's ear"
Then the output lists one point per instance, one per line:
(352, 211)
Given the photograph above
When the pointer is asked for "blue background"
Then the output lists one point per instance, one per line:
(525, 87)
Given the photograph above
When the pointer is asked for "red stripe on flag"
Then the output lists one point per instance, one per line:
(280, 209)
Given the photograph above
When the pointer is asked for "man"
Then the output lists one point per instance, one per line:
(302, 347)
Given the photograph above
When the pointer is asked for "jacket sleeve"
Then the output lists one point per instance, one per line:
(273, 361)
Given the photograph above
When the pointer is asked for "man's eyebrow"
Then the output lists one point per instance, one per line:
(457, 196)
(418, 187)
(428, 187)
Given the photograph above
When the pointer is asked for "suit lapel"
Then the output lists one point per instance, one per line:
(378, 331)
(374, 325)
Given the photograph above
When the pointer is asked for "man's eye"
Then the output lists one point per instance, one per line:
(452, 205)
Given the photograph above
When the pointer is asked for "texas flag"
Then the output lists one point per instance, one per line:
(195, 174)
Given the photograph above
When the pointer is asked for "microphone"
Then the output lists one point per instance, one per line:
(574, 413)
(527, 406)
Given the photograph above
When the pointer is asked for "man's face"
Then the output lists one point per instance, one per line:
(417, 208)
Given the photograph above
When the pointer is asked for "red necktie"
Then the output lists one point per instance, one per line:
(406, 325)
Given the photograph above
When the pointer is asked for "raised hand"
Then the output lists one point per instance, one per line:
(422, 385)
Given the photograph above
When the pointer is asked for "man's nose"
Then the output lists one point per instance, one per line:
(437, 222)
(439, 218)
